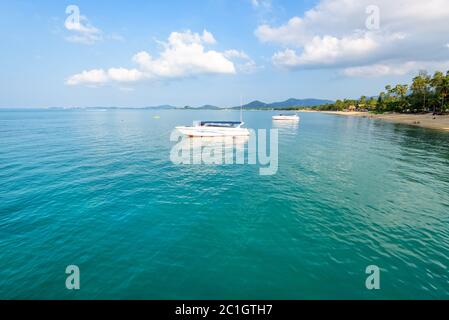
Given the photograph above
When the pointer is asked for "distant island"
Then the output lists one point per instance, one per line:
(254, 105)
(205, 107)
(281, 105)
(260, 105)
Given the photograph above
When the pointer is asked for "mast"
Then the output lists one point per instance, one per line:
(241, 109)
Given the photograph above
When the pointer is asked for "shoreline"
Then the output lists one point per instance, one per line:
(417, 120)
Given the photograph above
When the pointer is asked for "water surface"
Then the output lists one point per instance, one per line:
(97, 189)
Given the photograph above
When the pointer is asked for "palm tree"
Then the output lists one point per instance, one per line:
(372, 103)
(388, 90)
(437, 82)
(444, 90)
(420, 86)
(380, 107)
(401, 91)
(362, 102)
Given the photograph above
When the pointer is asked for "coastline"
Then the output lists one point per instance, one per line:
(439, 122)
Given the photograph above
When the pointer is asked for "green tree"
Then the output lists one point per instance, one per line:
(426, 93)
(339, 105)
(400, 90)
(420, 88)
(439, 86)
(371, 104)
(380, 107)
(444, 91)
(362, 102)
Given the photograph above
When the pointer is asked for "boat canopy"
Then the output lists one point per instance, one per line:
(220, 123)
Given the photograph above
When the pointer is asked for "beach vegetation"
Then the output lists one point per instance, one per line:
(426, 93)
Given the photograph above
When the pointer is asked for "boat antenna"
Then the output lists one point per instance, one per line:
(241, 109)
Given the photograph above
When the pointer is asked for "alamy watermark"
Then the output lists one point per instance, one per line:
(73, 21)
(72, 281)
(228, 150)
(372, 22)
(373, 280)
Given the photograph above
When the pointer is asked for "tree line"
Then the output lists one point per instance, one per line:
(426, 93)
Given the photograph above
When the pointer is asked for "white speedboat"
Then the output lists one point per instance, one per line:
(291, 117)
(215, 129)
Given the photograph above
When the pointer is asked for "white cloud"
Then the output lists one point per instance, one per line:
(292, 33)
(264, 9)
(115, 37)
(124, 75)
(333, 34)
(261, 3)
(235, 54)
(377, 70)
(249, 66)
(208, 37)
(183, 55)
(100, 76)
(91, 77)
(82, 31)
(395, 68)
(328, 50)
(243, 61)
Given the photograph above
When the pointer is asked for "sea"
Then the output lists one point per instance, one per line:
(97, 189)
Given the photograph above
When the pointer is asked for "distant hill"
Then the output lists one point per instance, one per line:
(162, 107)
(254, 104)
(205, 107)
(289, 103)
(299, 102)
(208, 107)
(292, 102)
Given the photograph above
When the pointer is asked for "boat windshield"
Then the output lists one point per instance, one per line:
(224, 124)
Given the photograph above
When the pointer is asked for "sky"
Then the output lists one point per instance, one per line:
(83, 53)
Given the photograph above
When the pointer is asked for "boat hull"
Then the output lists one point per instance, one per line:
(200, 131)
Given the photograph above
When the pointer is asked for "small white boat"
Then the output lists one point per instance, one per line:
(291, 117)
(215, 129)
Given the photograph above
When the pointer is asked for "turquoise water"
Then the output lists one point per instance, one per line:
(97, 189)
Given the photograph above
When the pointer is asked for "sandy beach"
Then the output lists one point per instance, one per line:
(420, 120)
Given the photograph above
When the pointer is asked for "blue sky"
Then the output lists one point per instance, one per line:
(143, 53)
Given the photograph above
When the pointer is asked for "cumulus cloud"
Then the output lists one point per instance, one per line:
(334, 34)
(291, 33)
(183, 55)
(328, 50)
